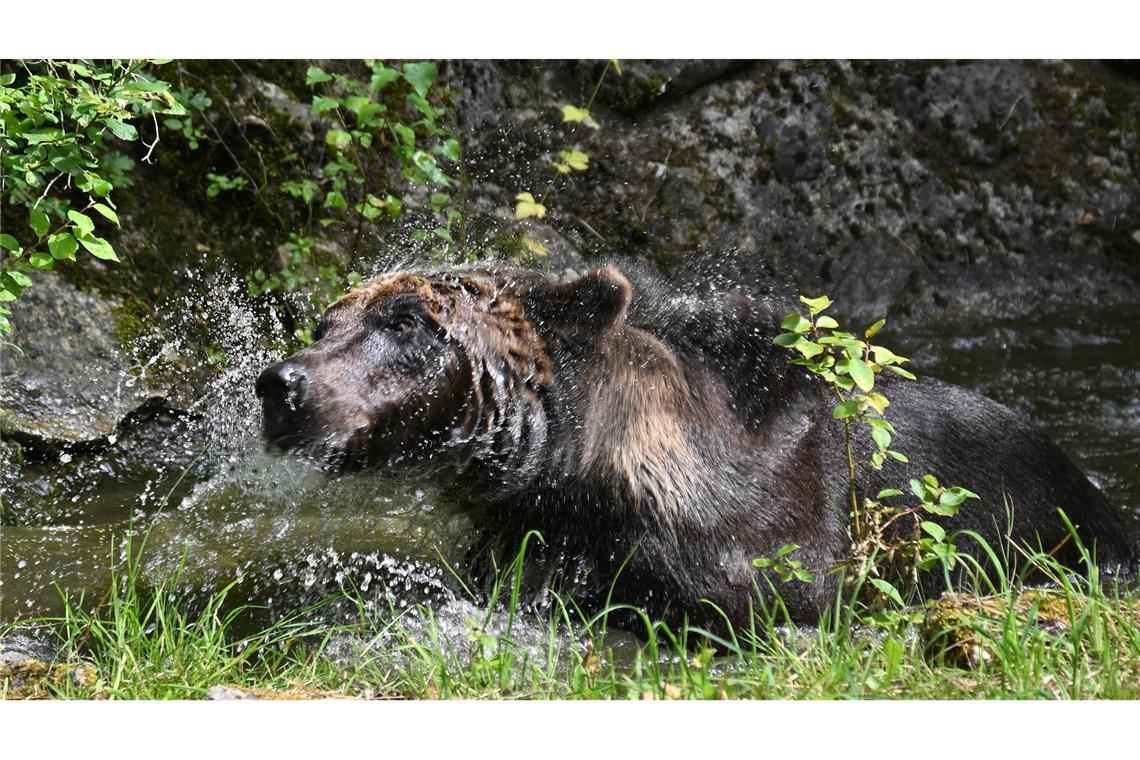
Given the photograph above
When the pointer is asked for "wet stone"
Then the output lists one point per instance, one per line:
(64, 380)
(223, 693)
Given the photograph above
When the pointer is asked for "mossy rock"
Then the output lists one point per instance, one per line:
(960, 629)
(229, 692)
(36, 679)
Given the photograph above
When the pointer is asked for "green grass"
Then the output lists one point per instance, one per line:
(1076, 640)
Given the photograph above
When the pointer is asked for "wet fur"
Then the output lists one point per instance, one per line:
(676, 444)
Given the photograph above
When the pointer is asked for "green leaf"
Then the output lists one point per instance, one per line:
(875, 422)
(82, 222)
(888, 492)
(936, 531)
(816, 305)
(573, 114)
(930, 480)
(41, 260)
(62, 246)
(853, 348)
(420, 76)
(394, 205)
(826, 322)
(356, 103)
(880, 403)
(918, 489)
(795, 323)
(874, 328)
(39, 222)
(809, 349)
(9, 243)
(6, 295)
(900, 371)
(882, 437)
(405, 133)
(886, 356)
(786, 549)
(369, 115)
(122, 130)
(20, 279)
(887, 589)
(107, 213)
(575, 159)
(951, 499)
(862, 374)
(42, 136)
(8, 284)
(100, 187)
(788, 340)
(845, 410)
(98, 247)
(321, 105)
(535, 247)
(897, 456)
(449, 149)
(526, 207)
(315, 75)
(382, 76)
(420, 103)
(338, 138)
(939, 509)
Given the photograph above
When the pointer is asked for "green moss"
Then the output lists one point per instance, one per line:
(965, 630)
(132, 317)
(33, 679)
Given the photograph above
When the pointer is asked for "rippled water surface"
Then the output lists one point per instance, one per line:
(1076, 376)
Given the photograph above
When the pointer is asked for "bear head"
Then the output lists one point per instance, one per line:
(438, 371)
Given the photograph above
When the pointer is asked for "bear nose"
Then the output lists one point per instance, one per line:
(282, 382)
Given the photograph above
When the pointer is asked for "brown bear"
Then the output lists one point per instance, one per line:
(658, 457)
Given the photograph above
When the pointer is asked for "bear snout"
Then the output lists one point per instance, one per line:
(281, 389)
(283, 382)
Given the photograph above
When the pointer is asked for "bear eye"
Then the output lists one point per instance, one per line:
(402, 323)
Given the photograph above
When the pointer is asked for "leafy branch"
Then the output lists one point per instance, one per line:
(879, 541)
(58, 123)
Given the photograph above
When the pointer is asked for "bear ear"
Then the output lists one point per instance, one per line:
(597, 299)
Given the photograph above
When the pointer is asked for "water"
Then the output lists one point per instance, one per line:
(210, 507)
(1075, 375)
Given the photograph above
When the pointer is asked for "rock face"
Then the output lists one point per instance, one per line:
(985, 187)
(63, 379)
(943, 189)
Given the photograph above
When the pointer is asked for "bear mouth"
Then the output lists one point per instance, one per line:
(329, 457)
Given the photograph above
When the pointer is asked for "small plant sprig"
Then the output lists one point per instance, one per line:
(569, 161)
(386, 115)
(849, 365)
(364, 125)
